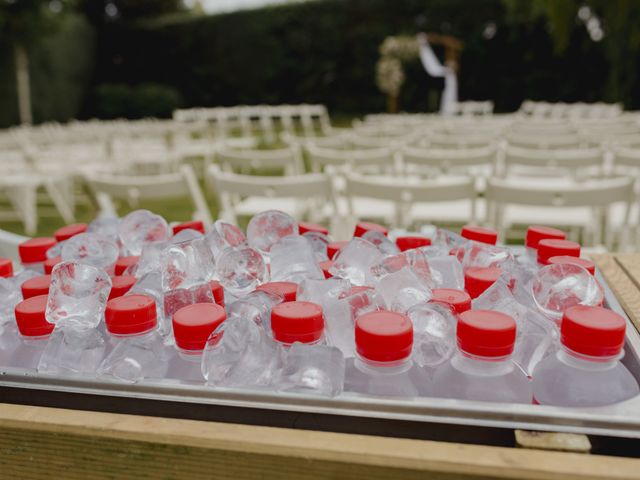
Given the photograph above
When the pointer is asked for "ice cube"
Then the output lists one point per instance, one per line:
(293, 260)
(140, 228)
(560, 286)
(354, 261)
(256, 307)
(106, 226)
(91, 249)
(72, 350)
(319, 243)
(10, 296)
(322, 291)
(266, 228)
(380, 240)
(446, 272)
(314, 369)
(186, 235)
(77, 295)
(434, 333)
(56, 250)
(482, 255)
(414, 260)
(149, 260)
(223, 235)
(186, 264)
(137, 357)
(402, 290)
(239, 354)
(240, 270)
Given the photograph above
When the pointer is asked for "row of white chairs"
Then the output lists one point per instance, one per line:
(570, 110)
(598, 210)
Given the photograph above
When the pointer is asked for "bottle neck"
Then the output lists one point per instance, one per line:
(384, 368)
(585, 362)
(483, 366)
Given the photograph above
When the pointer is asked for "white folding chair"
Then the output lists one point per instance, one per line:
(400, 201)
(449, 160)
(302, 196)
(245, 161)
(576, 163)
(133, 189)
(585, 206)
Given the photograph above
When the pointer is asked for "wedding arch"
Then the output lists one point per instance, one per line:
(396, 50)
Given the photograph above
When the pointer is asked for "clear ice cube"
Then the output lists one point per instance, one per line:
(266, 228)
(91, 249)
(140, 228)
(312, 369)
(241, 270)
(354, 261)
(293, 259)
(434, 333)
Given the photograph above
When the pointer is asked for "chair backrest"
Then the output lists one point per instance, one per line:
(447, 159)
(133, 189)
(455, 140)
(381, 159)
(542, 161)
(245, 161)
(403, 191)
(544, 140)
(594, 193)
(626, 157)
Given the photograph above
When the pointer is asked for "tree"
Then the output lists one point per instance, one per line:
(22, 23)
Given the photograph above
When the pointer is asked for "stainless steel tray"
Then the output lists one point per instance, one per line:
(349, 412)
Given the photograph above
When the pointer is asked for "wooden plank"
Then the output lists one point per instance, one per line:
(563, 442)
(46, 443)
(623, 286)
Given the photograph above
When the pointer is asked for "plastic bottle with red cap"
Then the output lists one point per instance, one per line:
(586, 371)
(536, 233)
(33, 252)
(383, 364)
(482, 368)
(139, 351)
(32, 333)
(479, 234)
(192, 326)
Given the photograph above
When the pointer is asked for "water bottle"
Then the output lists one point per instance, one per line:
(586, 371)
(139, 350)
(33, 332)
(482, 368)
(192, 326)
(536, 233)
(33, 252)
(383, 364)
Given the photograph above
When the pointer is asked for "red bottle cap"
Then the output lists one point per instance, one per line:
(6, 267)
(65, 233)
(196, 225)
(287, 290)
(193, 324)
(130, 315)
(335, 247)
(535, 233)
(581, 262)
(35, 249)
(554, 248)
(125, 262)
(36, 286)
(30, 317)
(364, 227)
(297, 322)
(50, 263)
(384, 336)
(477, 280)
(410, 242)
(479, 234)
(121, 285)
(592, 331)
(459, 300)
(486, 333)
(305, 227)
(325, 266)
(218, 292)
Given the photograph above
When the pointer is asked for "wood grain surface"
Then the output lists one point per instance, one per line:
(47, 443)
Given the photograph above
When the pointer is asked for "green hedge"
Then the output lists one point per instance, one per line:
(326, 51)
(146, 100)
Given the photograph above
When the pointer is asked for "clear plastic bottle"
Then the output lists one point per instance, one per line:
(139, 350)
(383, 364)
(33, 332)
(551, 247)
(482, 369)
(586, 371)
(33, 252)
(192, 326)
(536, 233)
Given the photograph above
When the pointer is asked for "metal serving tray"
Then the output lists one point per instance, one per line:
(421, 417)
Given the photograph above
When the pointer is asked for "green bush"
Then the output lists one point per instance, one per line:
(146, 100)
